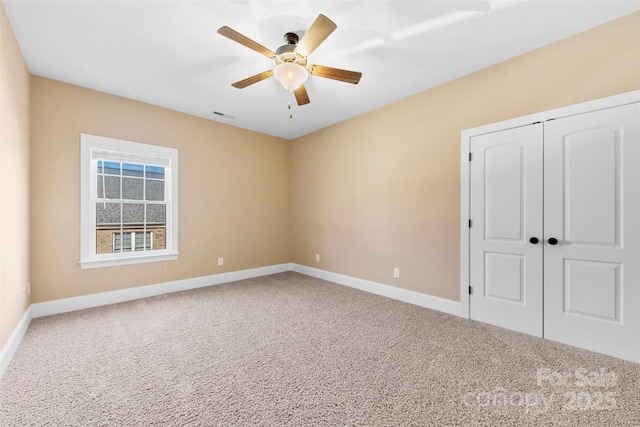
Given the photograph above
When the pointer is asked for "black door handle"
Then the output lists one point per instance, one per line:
(553, 241)
(534, 240)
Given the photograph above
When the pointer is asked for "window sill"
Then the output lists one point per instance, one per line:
(113, 262)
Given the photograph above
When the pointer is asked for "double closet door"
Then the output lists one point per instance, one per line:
(555, 230)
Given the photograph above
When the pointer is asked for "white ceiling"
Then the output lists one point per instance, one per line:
(168, 53)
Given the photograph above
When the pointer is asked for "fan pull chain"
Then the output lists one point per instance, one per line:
(290, 114)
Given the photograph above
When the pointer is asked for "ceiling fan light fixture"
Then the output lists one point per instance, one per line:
(290, 75)
(291, 68)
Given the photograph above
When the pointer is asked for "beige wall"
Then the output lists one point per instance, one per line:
(234, 191)
(14, 181)
(382, 190)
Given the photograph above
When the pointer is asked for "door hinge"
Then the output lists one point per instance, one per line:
(470, 156)
(469, 223)
(470, 290)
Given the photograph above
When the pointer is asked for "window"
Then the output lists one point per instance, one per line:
(122, 241)
(128, 201)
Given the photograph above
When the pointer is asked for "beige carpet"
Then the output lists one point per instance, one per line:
(288, 349)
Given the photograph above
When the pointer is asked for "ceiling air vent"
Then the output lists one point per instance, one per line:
(226, 116)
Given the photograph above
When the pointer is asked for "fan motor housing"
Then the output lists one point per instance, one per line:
(288, 53)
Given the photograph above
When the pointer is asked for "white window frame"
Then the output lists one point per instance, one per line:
(130, 152)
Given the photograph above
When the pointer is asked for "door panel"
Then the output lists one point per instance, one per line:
(503, 188)
(504, 277)
(591, 205)
(592, 161)
(506, 199)
(592, 289)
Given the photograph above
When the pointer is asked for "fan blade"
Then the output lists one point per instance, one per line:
(245, 41)
(321, 28)
(302, 97)
(335, 74)
(253, 79)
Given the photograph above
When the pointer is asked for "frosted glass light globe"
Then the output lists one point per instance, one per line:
(290, 75)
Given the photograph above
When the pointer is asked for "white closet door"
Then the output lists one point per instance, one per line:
(591, 202)
(506, 211)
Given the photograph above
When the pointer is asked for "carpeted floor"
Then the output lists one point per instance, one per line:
(292, 350)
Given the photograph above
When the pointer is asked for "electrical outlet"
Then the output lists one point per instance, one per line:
(396, 273)
(220, 261)
(317, 257)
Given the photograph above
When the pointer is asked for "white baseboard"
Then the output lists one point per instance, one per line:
(404, 295)
(9, 349)
(105, 298)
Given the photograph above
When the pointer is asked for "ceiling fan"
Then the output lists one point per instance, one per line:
(291, 68)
